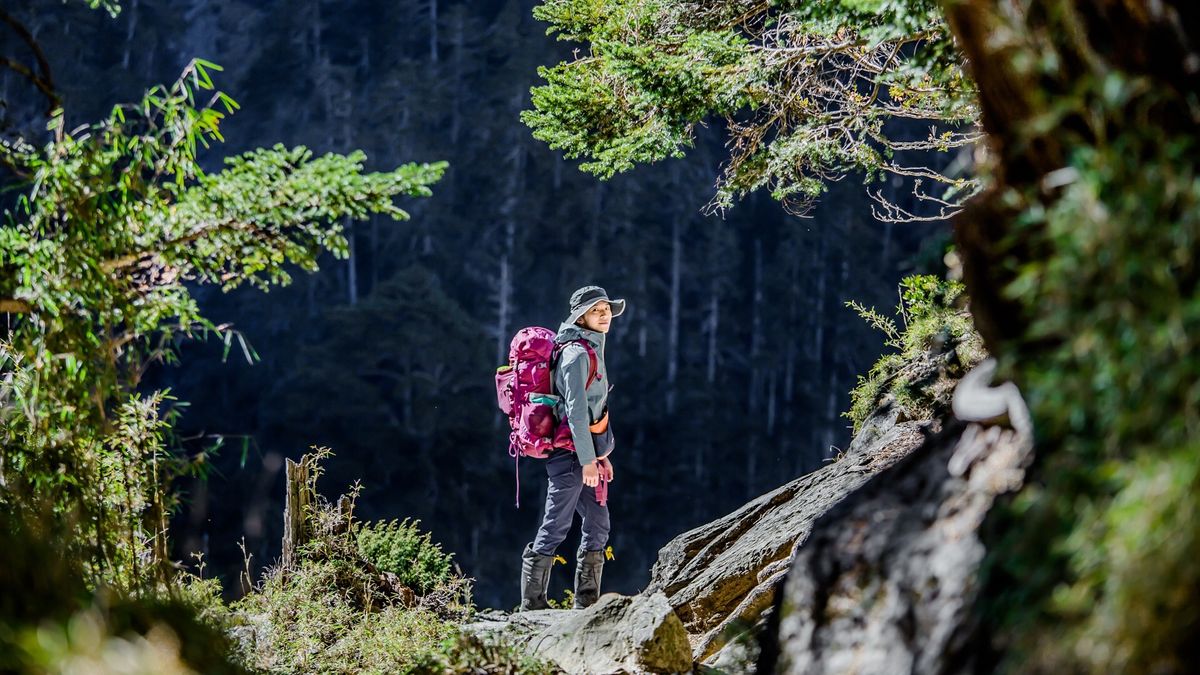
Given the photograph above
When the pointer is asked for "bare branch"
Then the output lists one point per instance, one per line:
(14, 306)
(45, 81)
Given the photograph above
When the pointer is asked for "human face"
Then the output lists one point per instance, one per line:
(597, 318)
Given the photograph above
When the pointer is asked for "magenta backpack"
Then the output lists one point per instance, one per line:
(525, 393)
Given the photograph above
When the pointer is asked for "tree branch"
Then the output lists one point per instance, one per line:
(14, 306)
(44, 83)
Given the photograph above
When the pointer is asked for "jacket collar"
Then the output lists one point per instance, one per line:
(568, 332)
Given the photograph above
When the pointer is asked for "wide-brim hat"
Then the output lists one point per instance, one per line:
(583, 299)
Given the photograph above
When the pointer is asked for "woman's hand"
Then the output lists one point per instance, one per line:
(591, 474)
(606, 469)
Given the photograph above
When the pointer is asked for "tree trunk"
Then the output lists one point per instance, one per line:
(755, 329)
(502, 311)
(433, 31)
(456, 98)
(673, 334)
(714, 324)
(1090, 113)
(819, 365)
(129, 33)
(351, 266)
(772, 390)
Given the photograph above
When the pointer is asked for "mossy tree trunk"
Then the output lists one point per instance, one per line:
(1080, 262)
(1032, 68)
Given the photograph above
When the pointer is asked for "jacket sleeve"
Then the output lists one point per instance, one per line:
(573, 386)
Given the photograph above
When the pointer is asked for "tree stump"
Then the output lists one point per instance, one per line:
(345, 509)
(295, 508)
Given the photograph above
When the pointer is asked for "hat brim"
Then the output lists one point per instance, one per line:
(618, 308)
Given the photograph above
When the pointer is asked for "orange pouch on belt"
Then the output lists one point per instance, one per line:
(600, 426)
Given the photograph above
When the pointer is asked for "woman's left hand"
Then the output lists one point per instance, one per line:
(606, 469)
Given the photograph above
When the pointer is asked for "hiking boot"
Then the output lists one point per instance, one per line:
(588, 567)
(535, 579)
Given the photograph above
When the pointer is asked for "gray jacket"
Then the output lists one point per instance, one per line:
(581, 404)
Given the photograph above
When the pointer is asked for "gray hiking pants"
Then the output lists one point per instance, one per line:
(566, 497)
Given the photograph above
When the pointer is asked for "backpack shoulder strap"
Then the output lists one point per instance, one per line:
(593, 360)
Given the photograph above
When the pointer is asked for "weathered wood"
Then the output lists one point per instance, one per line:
(345, 510)
(295, 508)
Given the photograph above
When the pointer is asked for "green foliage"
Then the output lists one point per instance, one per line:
(404, 550)
(117, 223)
(567, 602)
(1141, 547)
(628, 103)
(879, 322)
(333, 610)
(466, 653)
(933, 319)
(113, 7)
(324, 617)
(806, 89)
(1108, 366)
(50, 621)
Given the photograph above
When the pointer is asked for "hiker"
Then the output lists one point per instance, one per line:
(578, 478)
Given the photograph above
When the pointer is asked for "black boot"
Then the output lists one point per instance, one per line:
(535, 579)
(588, 566)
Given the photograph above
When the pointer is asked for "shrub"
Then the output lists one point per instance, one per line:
(932, 320)
(52, 620)
(349, 603)
(321, 617)
(402, 549)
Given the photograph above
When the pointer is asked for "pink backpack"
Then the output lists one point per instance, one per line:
(525, 393)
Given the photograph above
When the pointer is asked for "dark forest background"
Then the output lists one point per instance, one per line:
(731, 367)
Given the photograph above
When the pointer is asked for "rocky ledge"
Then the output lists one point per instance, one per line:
(877, 556)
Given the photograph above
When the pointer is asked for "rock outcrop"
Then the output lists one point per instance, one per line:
(869, 564)
(720, 577)
(723, 576)
(887, 580)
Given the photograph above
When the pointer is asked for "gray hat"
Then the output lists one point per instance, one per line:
(583, 299)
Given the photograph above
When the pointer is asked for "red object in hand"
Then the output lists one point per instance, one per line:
(606, 470)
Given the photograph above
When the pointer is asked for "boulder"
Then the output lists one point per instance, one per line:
(720, 577)
(618, 634)
(887, 580)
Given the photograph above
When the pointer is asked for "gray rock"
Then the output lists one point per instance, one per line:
(720, 577)
(887, 581)
(517, 628)
(740, 654)
(618, 634)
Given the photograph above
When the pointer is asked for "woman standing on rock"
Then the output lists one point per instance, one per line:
(579, 479)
